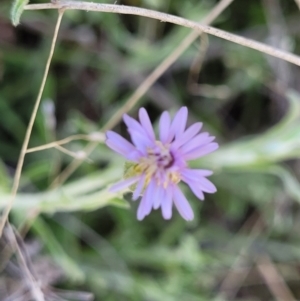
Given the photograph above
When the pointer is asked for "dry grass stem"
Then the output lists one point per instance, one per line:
(54, 144)
(16, 180)
(273, 279)
(298, 3)
(35, 289)
(72, 166)
(163, 17)
(78, 155)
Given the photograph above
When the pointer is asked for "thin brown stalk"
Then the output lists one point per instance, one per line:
(273, 279)
(78, 155)
(298, 3)
(22, 155)
(35, 288)
(62, 142)
(72, 166)
(163, 17)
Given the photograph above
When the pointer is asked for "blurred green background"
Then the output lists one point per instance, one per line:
(244, 243)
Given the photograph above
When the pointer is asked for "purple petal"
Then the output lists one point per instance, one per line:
(146, 123)
(187, 135)
(118, 143)
(206, 185)
(201, 185)
(140, 141)
(194, 174)
(141, 210)
(150, 191)
(196, 189)
(164, 126)
(196, 142)
(178, 124)
(158, 197)
(166, 205)
(134, 156)
(123, 184)
(201, 151)
(132, 124)
(131, 155)
(182, 205)
(146, 202)
(139, 188)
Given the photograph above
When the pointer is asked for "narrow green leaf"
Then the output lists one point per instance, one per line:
(17, 10)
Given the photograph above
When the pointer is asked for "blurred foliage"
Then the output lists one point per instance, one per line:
(92, 238)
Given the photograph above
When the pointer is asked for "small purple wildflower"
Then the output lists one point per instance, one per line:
(159, 165)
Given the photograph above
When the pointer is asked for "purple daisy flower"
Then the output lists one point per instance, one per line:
(159, 165)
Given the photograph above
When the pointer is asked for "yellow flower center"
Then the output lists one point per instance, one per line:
(157, 165)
